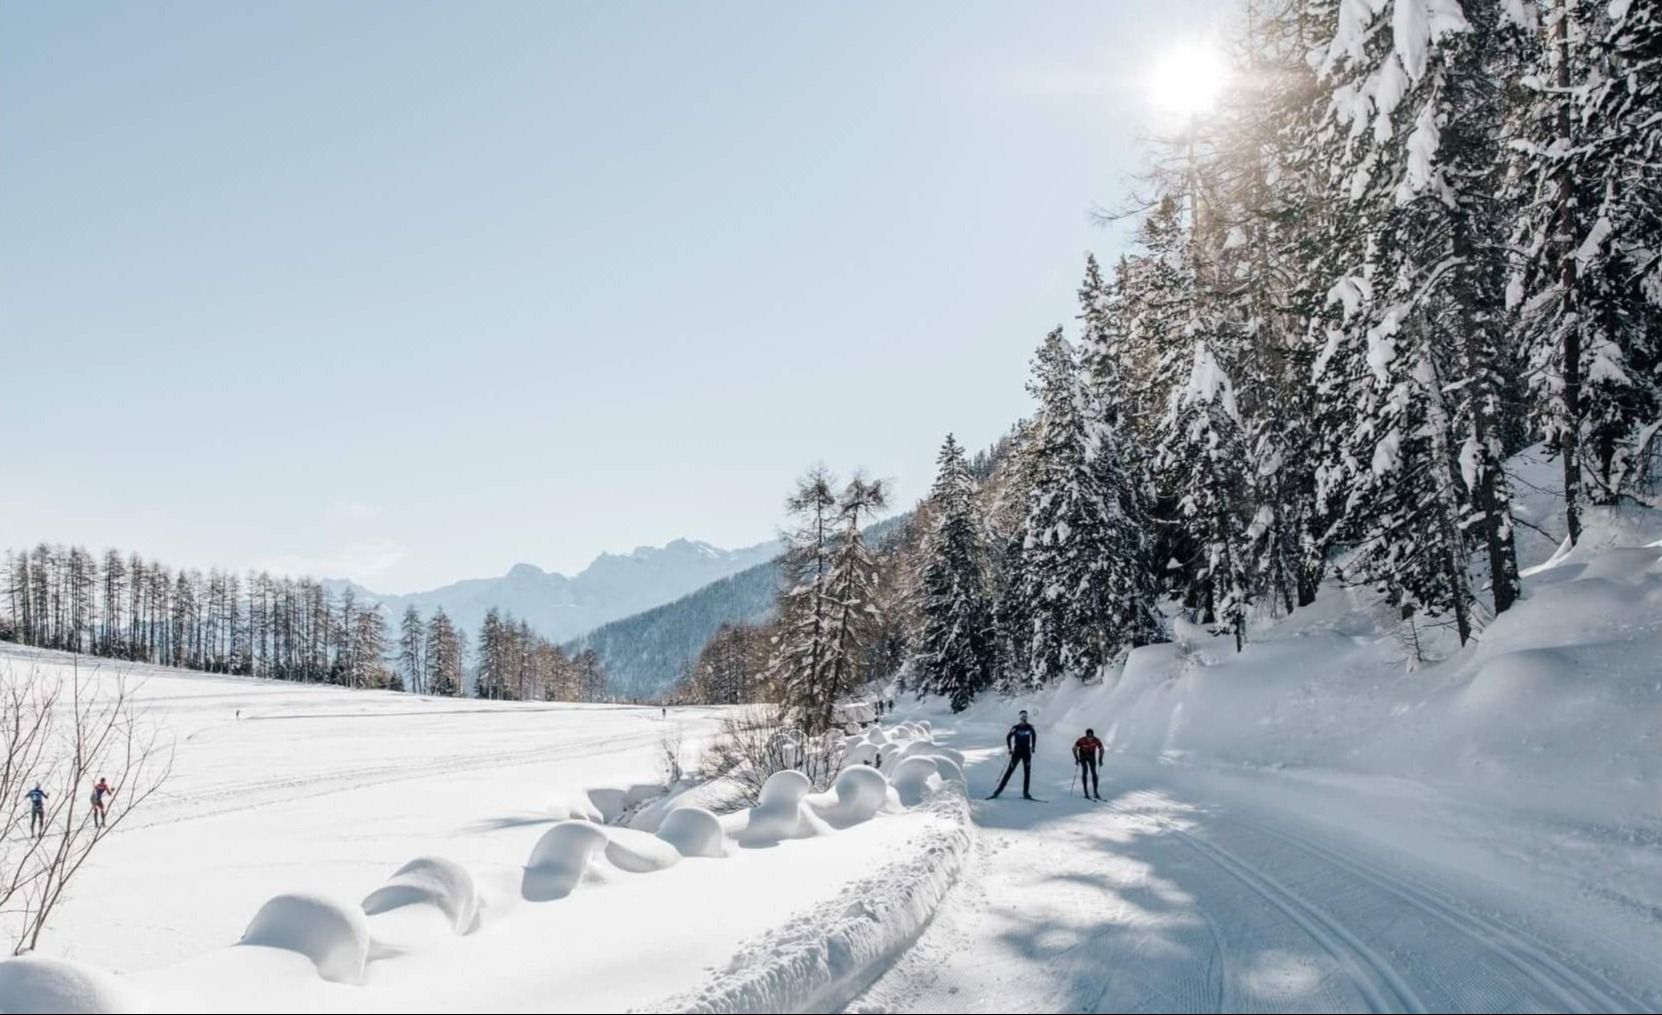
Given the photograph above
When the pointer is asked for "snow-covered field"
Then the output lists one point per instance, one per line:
(1311, 825)
(283, 789)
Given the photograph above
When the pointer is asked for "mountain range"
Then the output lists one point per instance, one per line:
(560, 608)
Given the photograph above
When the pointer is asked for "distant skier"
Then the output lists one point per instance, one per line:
(1021, 741)
(99, 792)
(1087, 754)
(37, 811)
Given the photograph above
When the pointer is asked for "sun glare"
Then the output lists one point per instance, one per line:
(1187, 78)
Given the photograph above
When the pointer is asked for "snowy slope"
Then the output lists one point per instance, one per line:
(561, 607)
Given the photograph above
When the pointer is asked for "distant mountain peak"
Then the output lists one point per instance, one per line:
(615, 585)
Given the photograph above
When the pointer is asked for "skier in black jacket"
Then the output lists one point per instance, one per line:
(1022, 741)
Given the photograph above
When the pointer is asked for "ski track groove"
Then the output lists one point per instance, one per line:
(1376, 979)
(277, 791)
(1574, 990)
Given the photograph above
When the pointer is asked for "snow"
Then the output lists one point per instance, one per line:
(693, 831)
(1311, 825)
(430, 881)
(453, 821)
(33, 984)
(333, 934)
(560, 859)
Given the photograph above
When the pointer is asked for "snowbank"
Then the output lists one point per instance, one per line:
(430, 881)
(33, 984)
(560, 858)
(333, 935)
(639, 852)
(694, 831)
(857, 795)
(1555, 709)
(781, 812)
(915, 778)
(821, 959)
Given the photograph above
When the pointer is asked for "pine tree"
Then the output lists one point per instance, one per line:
(412, 641)
(955, 653)
(1420, 162)
(443, 657)
(1077, 550)
(800, 654)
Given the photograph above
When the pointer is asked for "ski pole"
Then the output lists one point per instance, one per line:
(1074, 779)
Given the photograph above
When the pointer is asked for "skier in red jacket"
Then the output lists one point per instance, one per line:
(1087, 754)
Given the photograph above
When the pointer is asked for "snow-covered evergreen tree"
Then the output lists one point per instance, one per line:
(1076, 550)
(1202, 463)
(955, 656)
(804, 609)
(1421, 165)
(1585, 285)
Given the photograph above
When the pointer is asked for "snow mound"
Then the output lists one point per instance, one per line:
(951, 769)
(560, 858)
(611, 802)
(33, 984)
(334, 936)
(693, 831)
(639, 852)
(915, 778)
(430, 881)
(781, 812)
(575, 805)
(857, 795)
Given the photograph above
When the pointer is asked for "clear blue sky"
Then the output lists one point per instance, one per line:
(410, 292)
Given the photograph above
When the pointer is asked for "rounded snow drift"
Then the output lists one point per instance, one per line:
(912, 777)
(334, 936)
(693, 831)
(780, 812)
(33, 984)
(430, 881)
(950, 769)
(638, 852)
(861, 792)
(559, 859)
(787, 787)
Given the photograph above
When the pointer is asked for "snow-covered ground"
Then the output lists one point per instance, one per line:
(318, 797)
(1312, 825)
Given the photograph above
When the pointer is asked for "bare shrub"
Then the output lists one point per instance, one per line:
(61, 735)
(758, 741)
(669, 756)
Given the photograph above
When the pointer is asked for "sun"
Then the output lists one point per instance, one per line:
(1187, 78)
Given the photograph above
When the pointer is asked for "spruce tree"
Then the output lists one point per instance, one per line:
(955, 656)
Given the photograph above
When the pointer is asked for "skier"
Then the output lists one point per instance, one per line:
(99, 792)
(1021, 741)
(37, 811)
(1087, 754)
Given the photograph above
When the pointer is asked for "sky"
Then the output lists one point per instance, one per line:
(408, 293)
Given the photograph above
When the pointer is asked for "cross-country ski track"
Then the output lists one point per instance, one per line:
(1212, 891)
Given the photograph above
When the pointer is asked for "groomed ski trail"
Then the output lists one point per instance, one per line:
(1191, 892)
